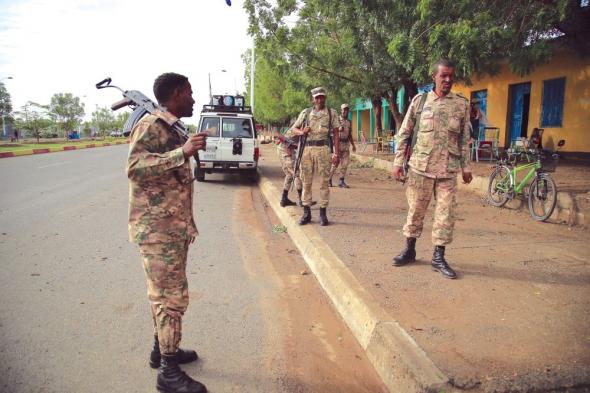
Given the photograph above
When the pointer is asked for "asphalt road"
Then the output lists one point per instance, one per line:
(74, 315)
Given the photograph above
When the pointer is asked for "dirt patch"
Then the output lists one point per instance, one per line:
(311, 349)
(519, 314)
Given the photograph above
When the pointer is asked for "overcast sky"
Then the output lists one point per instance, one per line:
(67, 46)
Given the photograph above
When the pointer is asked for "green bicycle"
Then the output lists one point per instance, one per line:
(537, 182)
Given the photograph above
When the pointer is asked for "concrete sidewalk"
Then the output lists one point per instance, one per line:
(517, 319)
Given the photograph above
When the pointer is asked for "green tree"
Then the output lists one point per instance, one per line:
(66, 110)
(104, 120)
(33, 119)
(121, 119)
(374, 48)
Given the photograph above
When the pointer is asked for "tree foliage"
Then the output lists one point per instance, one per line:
(373, 48)
(104, 119)
(32, 119)
(66, 110)
(5, 101)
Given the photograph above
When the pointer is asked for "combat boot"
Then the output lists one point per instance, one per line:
(182, 355)
(408, 254)
(285, 201)
(299, 203)
(342, 184)
(330, 182)
(171, 379)
(439, 263)
(306, 218)
(323, 217)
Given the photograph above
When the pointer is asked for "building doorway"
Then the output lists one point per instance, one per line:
(518, 118)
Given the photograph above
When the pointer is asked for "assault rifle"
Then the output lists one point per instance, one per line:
(141, 106)
(288, 142)
(302, 141)
(412, 139)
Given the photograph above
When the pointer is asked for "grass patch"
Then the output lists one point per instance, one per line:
(56, 146)
(279, 229)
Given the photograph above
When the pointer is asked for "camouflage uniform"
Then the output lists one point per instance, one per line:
(161, 222)
(288, 164)
(441, 151)
(344, 148)
(316, 158)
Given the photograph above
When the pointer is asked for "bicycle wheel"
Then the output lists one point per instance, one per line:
(542, 197)
(499, 186)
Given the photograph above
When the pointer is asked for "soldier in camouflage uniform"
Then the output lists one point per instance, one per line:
(287, 152)
(441, 151)
(345, 142)
(161, 222)
(318, 120)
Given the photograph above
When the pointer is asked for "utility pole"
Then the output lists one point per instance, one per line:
(252, 66)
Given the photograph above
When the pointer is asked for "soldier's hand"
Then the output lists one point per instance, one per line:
(397, 172)
(467, 176)
(306, 130)
(195, 143)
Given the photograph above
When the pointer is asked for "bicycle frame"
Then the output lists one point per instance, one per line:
(532, 168)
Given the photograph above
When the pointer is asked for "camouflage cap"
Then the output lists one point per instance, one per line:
(343, 106)
(318, 91)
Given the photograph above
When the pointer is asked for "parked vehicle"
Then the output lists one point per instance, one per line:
(232, 146)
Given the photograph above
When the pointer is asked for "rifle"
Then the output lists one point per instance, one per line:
(301, 147)
(141, 106)
(413, 137)
(288, 142)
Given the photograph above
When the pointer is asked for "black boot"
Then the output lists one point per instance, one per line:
(323, 217)
(439, 263)
(330, 182)
(299, 203)
(306, 218)
(342, 184)
(408, 254)
(171, 379)
(182, 356)
(285, 201)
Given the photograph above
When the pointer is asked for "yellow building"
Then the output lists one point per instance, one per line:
(554, 97)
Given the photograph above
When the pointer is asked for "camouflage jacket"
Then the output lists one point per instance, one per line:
(160, 201)
(345, 134)
(441, 149)
(318, 122)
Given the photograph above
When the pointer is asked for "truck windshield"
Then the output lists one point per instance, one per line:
(211, 125)
(236, 127)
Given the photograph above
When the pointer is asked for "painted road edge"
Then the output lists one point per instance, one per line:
(400, 362)
(8, 154)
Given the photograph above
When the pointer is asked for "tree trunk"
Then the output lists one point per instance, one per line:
(378, 111)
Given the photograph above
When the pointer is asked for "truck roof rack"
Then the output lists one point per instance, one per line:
(227, 109)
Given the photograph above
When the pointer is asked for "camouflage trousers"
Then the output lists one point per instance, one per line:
(167, 287)
(316, 159)
(419, 192)
(288, 162)
(342, 167)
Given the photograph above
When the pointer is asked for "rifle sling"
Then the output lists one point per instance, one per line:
(417, 121)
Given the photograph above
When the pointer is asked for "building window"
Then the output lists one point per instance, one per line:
(552, 109)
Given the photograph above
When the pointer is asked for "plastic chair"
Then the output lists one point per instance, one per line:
(488, 144)
(380, 144)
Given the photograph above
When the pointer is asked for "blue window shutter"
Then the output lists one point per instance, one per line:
(552, 106)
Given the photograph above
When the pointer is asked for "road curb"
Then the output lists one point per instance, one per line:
(29, 152)
(401, 363)
(566, 208)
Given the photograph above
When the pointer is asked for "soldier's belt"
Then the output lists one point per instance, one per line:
(323, 142)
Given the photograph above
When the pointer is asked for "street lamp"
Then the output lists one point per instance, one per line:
(4, 114)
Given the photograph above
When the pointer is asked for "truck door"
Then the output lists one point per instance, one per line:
(210, 124)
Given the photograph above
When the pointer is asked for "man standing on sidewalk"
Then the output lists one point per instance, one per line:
(345, 142)
(288, 145)
(441, 151)
(318, 120)
(161, 222)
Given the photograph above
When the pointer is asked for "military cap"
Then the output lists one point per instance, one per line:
(318, 91)
(344, 106)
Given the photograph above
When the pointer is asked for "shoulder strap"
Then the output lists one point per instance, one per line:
(417, 119)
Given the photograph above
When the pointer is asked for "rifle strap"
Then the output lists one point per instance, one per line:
(417, 116)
